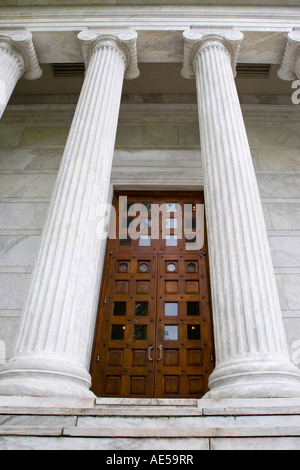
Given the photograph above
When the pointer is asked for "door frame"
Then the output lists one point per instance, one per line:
(140, 194)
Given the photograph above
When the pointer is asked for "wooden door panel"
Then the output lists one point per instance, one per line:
(154, 332)
(127, 327)
(182, 327)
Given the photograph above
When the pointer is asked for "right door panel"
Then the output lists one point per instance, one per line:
(183, 344)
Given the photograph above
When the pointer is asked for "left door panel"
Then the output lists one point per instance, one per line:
(125, 360)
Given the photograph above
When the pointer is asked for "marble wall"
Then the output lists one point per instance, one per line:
(157, 147)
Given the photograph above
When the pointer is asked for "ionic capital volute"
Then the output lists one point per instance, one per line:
(18, 42)
(197, 40)
(290, 65)
(124, 41)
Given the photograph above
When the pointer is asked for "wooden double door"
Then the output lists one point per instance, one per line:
(154, 333)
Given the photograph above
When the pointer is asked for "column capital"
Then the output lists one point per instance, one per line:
(290, 65)
(198, 39)
(18, 41)
(125, 41)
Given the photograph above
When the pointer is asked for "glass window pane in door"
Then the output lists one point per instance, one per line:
(141, 309)
(171, 223)
(171, 240)
(171, 309)
(145, 240)
(193, 308)
(119, 309)
(171, 332)
(117, 332)
(140, 332)
(193, 332)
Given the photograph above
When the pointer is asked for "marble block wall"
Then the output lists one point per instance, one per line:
(157, 147)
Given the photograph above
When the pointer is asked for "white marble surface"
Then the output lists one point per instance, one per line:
(160, 28)
(289, 69)
(54, 342)
(22, 215)
(165, 165)
(13, 290)
(64, 423)
(27, 186)
(17, 58)
(251, 352)
(18, 251)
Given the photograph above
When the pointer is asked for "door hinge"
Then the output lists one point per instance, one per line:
(98, 358)
(212, 359)
(105, 301)
(208, 301)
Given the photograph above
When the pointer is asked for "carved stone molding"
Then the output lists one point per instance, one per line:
(17, 59)
(196, 40)
(290, 66)
(125, 41)
(18, 41)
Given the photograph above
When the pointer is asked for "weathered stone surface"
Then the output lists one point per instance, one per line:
(112, 424)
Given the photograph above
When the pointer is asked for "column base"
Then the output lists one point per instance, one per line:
(33, 379)
(255, 380)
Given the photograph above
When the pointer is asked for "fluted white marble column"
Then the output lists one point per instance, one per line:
(53, 348)
(251, 352)
(17, 58)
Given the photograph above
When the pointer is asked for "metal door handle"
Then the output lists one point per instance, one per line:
(160, 352)
(149, 353)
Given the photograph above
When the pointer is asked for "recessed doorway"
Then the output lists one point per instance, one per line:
(154, 336)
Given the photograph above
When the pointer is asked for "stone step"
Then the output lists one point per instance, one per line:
(147, 407)
(108, 418)
(55, 423)
(164, 432)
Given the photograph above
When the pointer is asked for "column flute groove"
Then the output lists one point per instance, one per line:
(53, 347)
(239, 213)
(264, 340)
(80, 185)
(225, 190)
(251, 352)
(218, 178)
(85, 214)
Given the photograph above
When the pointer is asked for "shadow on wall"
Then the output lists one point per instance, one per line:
(2, 352)
(295, 355)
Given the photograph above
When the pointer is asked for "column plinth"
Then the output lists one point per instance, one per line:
(17, 59)
(251, 353)
(54, 342)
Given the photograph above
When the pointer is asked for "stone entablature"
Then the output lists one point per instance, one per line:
(159, 28)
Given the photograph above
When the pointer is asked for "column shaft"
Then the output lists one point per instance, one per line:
(53, 346)
(251, 352)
